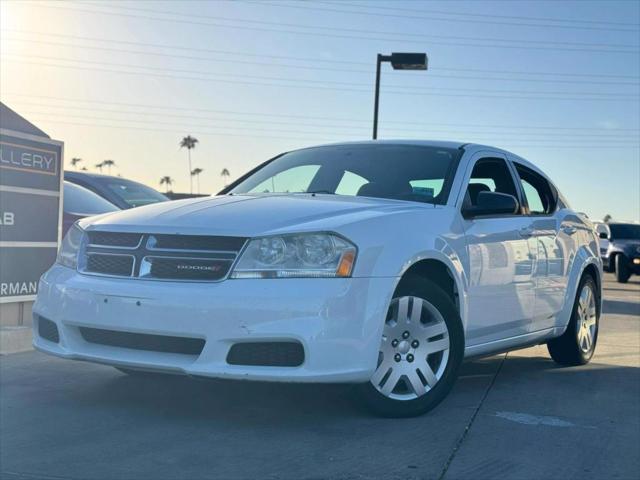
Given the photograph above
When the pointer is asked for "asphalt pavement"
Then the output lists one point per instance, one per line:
(514, 416)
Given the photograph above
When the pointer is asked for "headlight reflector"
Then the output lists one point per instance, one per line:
(70, 247)
(311, 255)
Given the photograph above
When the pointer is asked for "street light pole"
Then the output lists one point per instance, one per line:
(399, 61)
(380, 59)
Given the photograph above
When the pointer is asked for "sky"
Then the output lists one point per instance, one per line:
(556, 82)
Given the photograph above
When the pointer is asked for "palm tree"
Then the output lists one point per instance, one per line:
(99, 166)
(196, 172)
(84, 169)
(225, 175)
(108, 164)
(167, 181)
(75, 161)
(189, 143)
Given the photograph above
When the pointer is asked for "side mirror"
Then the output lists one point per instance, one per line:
(492, 203)
(604, 236)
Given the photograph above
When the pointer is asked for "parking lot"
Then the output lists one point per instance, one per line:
(511, 416)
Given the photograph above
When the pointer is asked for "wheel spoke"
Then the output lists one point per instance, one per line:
(403, 309)
(434, 330)
(391, 382)
(416, 311)
(591, 321)
(588, 340)
(379, 374)
(428, 375)
(416, 383)
(584, 299)
(436, 346)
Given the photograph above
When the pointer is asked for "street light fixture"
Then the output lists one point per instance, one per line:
(399, 61)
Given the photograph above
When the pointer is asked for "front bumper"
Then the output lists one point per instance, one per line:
(337, 321)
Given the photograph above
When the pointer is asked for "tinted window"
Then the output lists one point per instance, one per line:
(135, 194)
(540, 196)
(400, 172)
(81, 201)
(624, 230)
(490, 175)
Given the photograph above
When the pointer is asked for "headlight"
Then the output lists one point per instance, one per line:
(70, 247)
(293, 256)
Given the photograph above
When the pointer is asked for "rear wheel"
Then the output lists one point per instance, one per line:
(420, 353)
(622, 268)
(578, 343)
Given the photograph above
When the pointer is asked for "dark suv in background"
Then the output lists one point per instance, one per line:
(623, 253)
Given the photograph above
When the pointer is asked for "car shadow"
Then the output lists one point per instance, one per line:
(250, 403)
(620, 307)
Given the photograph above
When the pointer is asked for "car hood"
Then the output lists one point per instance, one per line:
(625, 244)
(250, 215)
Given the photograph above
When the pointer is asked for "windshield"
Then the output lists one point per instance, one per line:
(81, 201)
(625, 231)
(135, 194)
(400, 172)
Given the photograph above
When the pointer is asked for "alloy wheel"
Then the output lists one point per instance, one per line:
(586, 322)
(414, 350)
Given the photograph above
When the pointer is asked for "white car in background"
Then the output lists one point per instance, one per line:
(381, 263)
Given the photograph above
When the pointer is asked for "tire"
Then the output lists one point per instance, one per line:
(622, 268)
(578, 343)
(430, 339)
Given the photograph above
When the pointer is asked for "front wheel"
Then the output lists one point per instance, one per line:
(578, 343)
(622, 268)
(420, 352)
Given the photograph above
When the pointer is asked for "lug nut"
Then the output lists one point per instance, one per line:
(394, 343)
(409, 358)
(415, 344)
(405, 335)
(397, 357)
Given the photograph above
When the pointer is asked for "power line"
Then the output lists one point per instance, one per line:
(173, 108)
(544, 135)
(352, 30)
(315, 59)
(327, 136)
(307, 67)
(376, 35)
(458, 20)
(483, 15)
(320, 84)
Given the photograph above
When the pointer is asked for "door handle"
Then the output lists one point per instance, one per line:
(569, 230)
(526, 232)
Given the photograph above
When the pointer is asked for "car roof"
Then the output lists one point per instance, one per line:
(437, 144)
(423, 143)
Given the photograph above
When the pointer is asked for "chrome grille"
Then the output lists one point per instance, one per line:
(160, 256)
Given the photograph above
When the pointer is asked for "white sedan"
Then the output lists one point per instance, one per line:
(380, 263)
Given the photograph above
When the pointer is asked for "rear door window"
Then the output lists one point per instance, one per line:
(539, 194)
